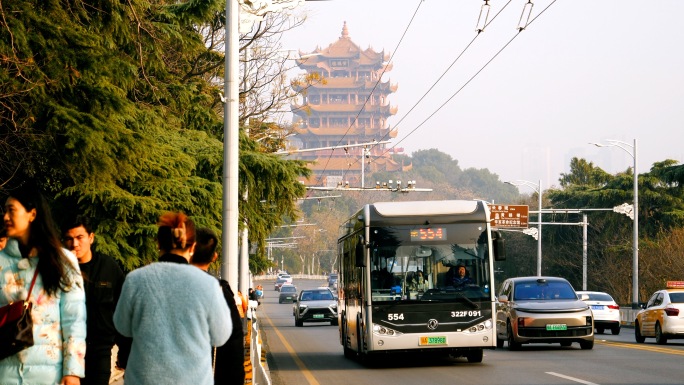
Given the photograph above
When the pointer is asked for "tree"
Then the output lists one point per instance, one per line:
(112, 107)
(610, 239)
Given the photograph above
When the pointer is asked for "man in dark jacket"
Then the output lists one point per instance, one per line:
(229, 368)
(103, 279)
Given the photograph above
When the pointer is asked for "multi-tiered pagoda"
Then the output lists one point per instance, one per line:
(348, 105)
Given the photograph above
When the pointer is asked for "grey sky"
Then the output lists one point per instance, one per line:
(582, 71)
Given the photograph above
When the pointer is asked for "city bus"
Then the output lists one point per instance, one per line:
(399, 288)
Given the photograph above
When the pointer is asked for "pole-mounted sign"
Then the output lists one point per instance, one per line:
(508, 216)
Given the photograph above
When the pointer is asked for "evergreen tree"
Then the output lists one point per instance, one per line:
(110, 107)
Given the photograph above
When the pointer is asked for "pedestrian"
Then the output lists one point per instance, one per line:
(58, 299)
(228, 359)
(102, 279)
(173, 311)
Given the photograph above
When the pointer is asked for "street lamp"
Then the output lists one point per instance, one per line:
(539, 218)
(635, 246)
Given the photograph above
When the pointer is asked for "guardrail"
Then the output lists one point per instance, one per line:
(259, 372)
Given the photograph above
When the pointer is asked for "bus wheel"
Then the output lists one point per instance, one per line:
(475, 356)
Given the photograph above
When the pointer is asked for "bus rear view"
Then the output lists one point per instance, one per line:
(418, 277)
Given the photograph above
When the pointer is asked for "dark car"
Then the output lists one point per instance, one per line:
(288, 293)
(542, 310)
(315, 305)
(332, 281)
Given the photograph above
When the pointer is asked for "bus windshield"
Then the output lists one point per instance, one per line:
(446, 262)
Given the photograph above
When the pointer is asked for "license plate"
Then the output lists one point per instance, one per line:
(597, 307)
(439, 340)
(556, 327)
(318, 315)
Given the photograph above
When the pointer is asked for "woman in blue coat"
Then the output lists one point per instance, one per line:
(58, 313)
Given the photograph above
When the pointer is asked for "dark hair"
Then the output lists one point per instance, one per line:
(53, 265)
(3, 232)
(176, 231)
(77, 221)
(205, 247)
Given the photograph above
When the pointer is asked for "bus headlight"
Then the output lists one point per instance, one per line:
(486, 325)
(385, 331)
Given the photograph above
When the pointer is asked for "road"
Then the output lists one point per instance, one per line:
(313, 355)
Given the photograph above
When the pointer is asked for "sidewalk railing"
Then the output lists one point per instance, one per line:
(259, 374)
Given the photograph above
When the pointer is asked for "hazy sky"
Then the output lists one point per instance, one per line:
(582, 71)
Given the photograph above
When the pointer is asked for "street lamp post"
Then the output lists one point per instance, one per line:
(539, 218)
(635, 233)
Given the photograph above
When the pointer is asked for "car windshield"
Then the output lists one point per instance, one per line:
(535, 290)
(288, 289)
(317, 295)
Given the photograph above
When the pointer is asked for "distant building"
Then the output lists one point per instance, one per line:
(349, 105)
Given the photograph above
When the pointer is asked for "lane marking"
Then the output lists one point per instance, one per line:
(650, 348)
(571, 378)
(302, 367)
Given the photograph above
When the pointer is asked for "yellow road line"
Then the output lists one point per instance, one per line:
(649, 348)
(307, 373)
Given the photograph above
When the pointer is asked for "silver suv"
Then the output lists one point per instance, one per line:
(315, 305)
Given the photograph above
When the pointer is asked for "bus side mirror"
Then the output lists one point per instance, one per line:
(499, 246)
(360, 255)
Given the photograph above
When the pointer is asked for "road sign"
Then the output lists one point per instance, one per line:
(508, 216)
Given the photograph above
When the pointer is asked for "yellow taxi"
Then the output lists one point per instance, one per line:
(663, 316)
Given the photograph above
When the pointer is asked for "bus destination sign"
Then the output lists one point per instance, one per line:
(508, 216)
(428, 234)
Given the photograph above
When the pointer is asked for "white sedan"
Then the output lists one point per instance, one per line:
(606, 311)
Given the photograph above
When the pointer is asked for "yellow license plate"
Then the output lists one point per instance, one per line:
(436, 340)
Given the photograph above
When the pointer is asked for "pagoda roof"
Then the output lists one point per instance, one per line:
(346, 108)
(335, 164)
(344, 47)
(346, 132)
(348, 83)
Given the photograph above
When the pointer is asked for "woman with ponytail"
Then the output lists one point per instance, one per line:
(173, 311)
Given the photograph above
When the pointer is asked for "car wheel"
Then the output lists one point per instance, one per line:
(565, 344)
(660, 337)
(512, 345)
(587, 345)
(499, 343)
(334, 322)
(599, 330)
(615, 330)
(637, 334)
(299, 323)
(475, 356)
